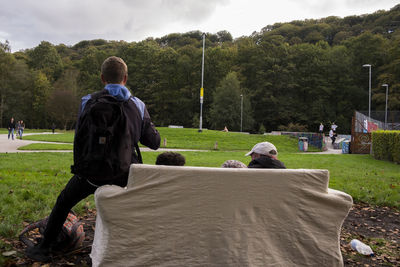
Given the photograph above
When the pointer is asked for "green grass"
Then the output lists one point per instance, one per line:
(5, 131)
(43, 146)
(65, 137)
(31, 182)
(192, 139)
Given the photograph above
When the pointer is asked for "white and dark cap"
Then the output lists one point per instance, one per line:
(264, 148)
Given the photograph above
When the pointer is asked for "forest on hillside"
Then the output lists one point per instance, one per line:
(289, 76)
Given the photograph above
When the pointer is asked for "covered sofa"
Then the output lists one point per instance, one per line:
(197, 216)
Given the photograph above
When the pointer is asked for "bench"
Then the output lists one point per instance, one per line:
(197, 216)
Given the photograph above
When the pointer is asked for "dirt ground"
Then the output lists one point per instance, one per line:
(378, 227)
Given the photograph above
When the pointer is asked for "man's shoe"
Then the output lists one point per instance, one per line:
(39, 253)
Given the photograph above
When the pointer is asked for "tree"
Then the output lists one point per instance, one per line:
(225, 109)
(20, 95)
(62, 107)
(63, 102)
(41, 91)
(7, 62)
(45, 58)
(89, 70)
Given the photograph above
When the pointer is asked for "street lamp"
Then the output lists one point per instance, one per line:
(369, 102)
(387, 89)
(241, 113)
(202, 89)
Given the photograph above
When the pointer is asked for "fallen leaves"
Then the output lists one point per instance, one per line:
(9, 253)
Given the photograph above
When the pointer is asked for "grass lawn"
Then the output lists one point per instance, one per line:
(43, 146)
(5, 131)
(64, 137)
(191, 139)
(30, 182)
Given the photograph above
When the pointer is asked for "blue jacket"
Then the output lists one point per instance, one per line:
(121, 93)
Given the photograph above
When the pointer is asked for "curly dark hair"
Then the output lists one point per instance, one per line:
(170, 158)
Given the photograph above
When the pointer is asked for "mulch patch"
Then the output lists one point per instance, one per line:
(379, 227)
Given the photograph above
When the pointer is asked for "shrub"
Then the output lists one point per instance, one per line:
(293, 127)
(386, 145)
(262, 129)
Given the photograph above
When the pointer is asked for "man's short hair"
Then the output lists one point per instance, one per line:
(170, 158)
(114, 70)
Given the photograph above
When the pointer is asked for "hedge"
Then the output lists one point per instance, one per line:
(386, 145)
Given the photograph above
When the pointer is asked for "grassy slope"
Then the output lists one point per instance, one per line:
(43, 146)
(190, 138)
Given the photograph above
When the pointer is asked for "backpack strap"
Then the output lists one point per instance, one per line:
(138, 153)
(98, 94)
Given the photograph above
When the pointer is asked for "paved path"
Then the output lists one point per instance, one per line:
(11, 146)
(330, 150)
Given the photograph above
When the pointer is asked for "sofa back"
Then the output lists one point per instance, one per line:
(195, 216)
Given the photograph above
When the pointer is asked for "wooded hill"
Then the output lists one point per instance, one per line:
(292, 75)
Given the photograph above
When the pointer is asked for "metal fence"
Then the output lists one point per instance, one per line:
(378, 118)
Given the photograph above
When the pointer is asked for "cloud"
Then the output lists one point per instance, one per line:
(25, 23)
(70, 21)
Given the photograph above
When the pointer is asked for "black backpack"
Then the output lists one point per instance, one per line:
(103, 140)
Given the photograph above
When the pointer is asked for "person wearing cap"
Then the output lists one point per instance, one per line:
(265, 155)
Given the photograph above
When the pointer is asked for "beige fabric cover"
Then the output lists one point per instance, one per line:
(194, 216)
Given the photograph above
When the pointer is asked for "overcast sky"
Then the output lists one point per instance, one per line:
(25, 23)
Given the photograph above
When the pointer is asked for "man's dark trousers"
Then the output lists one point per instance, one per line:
(76, 189)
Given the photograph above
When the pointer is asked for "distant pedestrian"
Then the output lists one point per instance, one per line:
(332, 135)
(321, 128)
(333, 127)
(53, 127)
(17, 126)
(11, 128)
(21, 129)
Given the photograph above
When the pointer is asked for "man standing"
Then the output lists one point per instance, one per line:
(333, 127)
(21, 129)
(114, 75)
(265, 155)
(11, 128)
(332, 135)
(321, 128)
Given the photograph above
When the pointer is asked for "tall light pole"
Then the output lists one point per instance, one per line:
(387, 89)
(202, 89)
(369, 102)
(241, 113)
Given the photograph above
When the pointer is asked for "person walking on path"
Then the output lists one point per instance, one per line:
(321, 128)
(21, 129)
(11, 128)
(332, 135)
(114, 75)
(333, 127)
